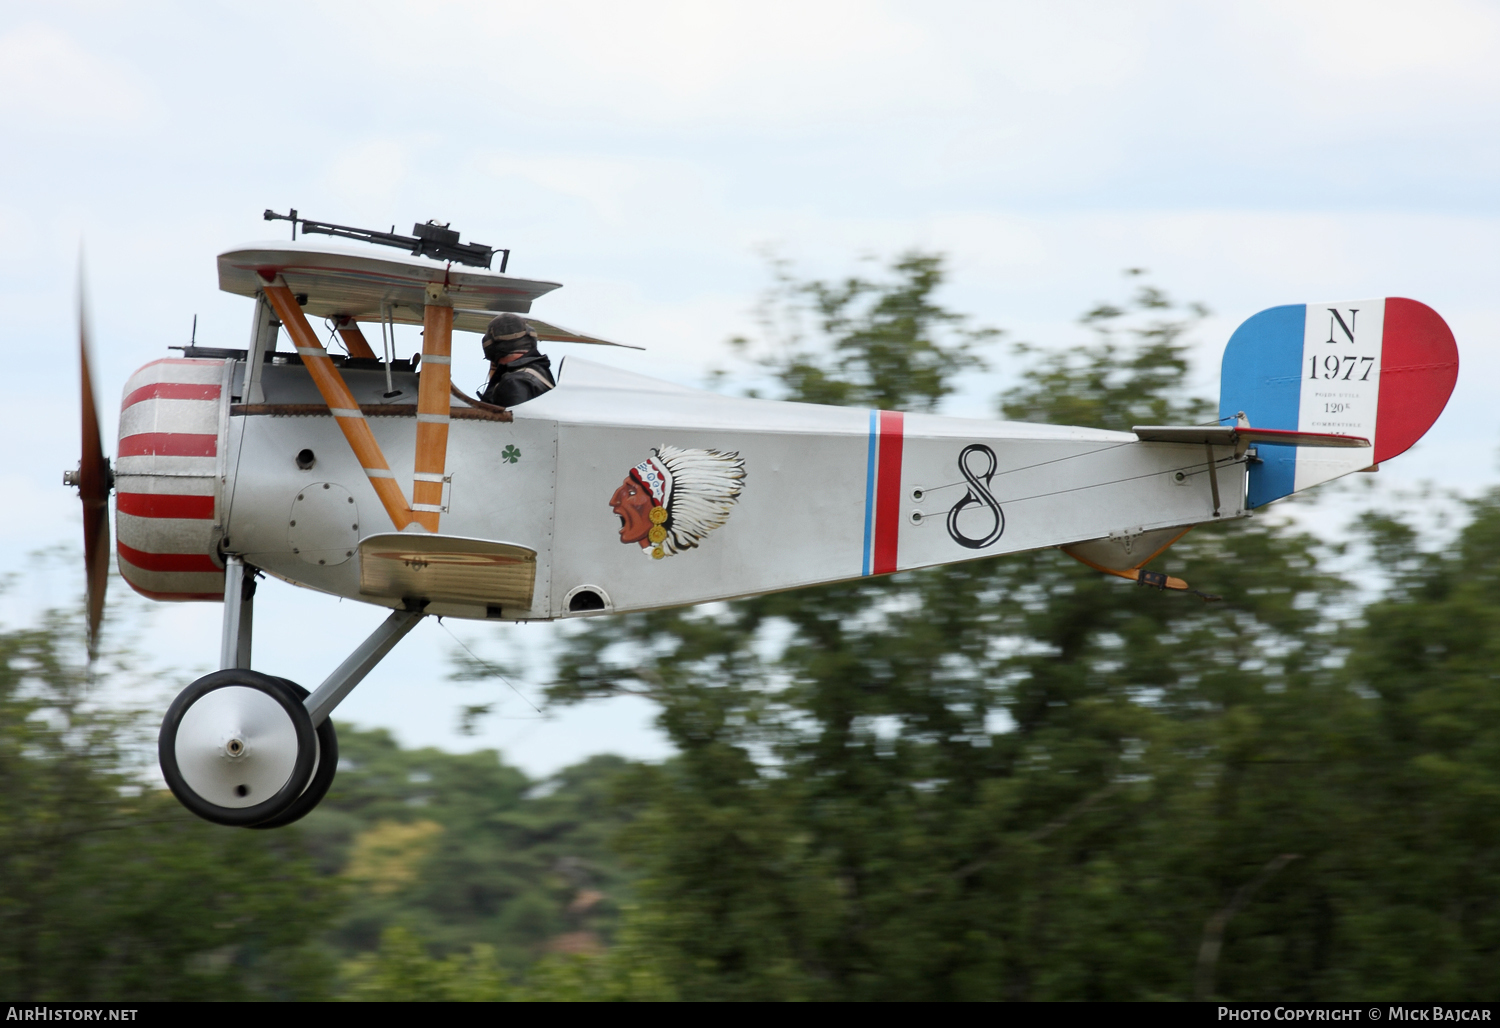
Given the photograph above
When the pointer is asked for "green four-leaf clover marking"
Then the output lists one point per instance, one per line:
(511, 454)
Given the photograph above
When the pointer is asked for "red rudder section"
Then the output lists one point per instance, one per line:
(1418, 368)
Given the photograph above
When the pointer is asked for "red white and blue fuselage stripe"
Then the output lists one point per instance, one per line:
(883, 492)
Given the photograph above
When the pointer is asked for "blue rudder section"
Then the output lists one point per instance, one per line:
(870, 491)
(1262, 376)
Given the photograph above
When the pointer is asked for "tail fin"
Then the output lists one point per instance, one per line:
(1382, 369)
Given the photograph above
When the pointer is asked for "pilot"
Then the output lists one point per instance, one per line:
(518, 370)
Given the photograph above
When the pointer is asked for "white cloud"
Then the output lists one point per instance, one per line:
(774, 62)
(371, 170)
(619, 192)
(47, 79)
(1364, 40)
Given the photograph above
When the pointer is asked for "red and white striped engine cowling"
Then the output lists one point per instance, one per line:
(168, 478)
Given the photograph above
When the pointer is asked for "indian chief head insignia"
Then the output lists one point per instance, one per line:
(672, 499)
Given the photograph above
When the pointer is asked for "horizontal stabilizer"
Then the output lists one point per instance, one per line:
(1231, 435)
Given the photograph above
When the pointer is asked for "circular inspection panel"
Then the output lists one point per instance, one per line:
(323, 526)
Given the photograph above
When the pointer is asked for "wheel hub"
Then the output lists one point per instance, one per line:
(236, 746)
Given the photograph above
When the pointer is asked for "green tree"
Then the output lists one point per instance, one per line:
(975, 781)
(424, 875)
(885, 344)
(403, 969)
(1382, 772)
(109, 890)
(460, 851)
(1134, 373)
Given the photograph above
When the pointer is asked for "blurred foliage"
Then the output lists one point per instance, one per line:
(423, 874)
(1134, 373)
(1012, 778)
(463, 851)
(865, 343)
(109, 891)
(1015, 778)
(403, 969)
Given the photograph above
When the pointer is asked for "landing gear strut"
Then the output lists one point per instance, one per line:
(250, 750)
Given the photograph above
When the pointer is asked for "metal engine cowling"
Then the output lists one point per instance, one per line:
(169, 478)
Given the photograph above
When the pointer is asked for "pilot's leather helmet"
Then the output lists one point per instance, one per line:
(507, 334)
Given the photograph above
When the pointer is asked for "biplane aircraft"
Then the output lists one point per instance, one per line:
(370, 477)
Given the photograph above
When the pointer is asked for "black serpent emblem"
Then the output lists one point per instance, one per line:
(979, 493)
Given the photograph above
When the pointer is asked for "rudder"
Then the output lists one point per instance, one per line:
(1382, 369)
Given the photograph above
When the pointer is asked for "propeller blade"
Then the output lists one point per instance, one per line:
(95, 479)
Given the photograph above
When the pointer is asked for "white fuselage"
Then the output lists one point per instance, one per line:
(826, 493)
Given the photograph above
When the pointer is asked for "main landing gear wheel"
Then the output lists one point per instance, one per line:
(325, 765)
(238, 748)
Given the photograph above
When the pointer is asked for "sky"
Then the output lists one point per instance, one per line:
(649, 156)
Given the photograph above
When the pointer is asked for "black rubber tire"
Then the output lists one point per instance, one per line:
(323, 771)
(302, 768)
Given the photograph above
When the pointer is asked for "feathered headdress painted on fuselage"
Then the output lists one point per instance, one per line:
(692, 492)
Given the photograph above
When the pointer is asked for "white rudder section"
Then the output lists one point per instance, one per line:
(1340, 384)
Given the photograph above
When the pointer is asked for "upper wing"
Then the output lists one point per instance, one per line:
(346, 280)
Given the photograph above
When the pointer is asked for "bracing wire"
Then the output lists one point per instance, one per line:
(1042, 464)
(1189, 468)
(333, 330)
(1192, 468)
(490, 668)
(1198, 467)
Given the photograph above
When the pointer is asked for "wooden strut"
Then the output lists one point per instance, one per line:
(353, 338)
(340, 402)
(433, 384)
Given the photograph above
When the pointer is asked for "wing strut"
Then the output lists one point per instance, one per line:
(341, 403)
(1213, 475)
(436, 378)
(353, 338)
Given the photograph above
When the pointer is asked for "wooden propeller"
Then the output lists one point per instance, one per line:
(94, 479)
